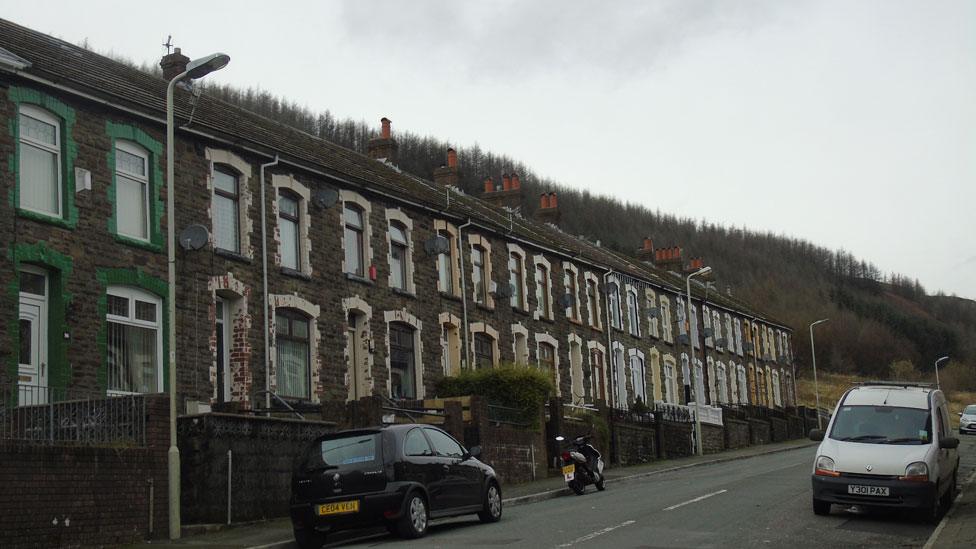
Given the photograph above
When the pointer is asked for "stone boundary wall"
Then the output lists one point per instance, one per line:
(759, 431)
(779, 429)
(97, 495)
(675, 439)
(635, 442)
(713, 438)
(736, 433)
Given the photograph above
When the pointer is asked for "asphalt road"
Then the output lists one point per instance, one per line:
(761, 501)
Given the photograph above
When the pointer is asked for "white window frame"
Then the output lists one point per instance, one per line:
(237, 164)
(42, 115)
(571, 272)
(613, 302)
(653, 322)
(395, 215)
(485, 245)
(523, 301)
(595, 317)
(707, 325)
(670, 379)
(133, 294)
(450, 232)
(738, 336)
(544, 305)
(353, 198)
(633, 313)
(303, 194)
(145, 180)
(520, 344)
(666, 329)
(548, 339)
(638, 371)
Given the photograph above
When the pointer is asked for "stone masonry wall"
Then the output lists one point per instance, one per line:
(736, 433)
(713, 438)
(759, 431)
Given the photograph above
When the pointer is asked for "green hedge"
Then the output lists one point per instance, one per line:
(519, 387)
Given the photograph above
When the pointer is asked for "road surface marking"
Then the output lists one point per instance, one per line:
(699, 498)
(592, 535)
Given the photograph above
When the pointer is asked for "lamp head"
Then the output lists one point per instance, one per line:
(198, 68)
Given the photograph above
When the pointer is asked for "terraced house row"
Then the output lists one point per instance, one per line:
(325, 275)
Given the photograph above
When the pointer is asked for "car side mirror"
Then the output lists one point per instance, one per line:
(949, 443)
(475, 451)
(816, 435)
(960, 414)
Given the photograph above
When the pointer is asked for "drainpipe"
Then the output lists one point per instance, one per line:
(611, 394)
(464, 294)
(264, 288)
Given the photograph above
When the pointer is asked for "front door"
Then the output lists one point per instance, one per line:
(32, 369)
(357, 349)
(223, 350)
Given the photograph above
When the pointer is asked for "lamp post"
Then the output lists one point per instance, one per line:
(197, 68)
(937, 362)
(816, 386)
(694, 384)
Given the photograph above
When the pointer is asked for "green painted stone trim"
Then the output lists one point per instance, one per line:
(69, 151)
(131, 133)
(59, 267)
(139, 279)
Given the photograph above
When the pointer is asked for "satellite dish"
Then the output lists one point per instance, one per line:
(325, 197)
(194, 237)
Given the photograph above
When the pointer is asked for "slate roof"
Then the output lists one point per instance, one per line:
(79, 70)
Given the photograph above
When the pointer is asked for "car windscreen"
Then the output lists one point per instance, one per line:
(882, 425)
(344, 452)
(970, 410)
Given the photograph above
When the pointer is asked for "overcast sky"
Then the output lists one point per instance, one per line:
(850, 124)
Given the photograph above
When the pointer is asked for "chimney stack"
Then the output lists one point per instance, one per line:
(669, 259)
(173, 64)
(647, 252)
(448, 175)
(508, 196)
(383, 147)
(548, 211)
(489, 185)
(516, 184)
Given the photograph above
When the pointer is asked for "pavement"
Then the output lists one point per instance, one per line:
(757, 496)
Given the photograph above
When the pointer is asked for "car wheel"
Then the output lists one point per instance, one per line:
(309, 539)
(821, 507)
(413, 523)
(493, 504)
(577, 486)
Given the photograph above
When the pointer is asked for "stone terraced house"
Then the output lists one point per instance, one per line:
(326, 275)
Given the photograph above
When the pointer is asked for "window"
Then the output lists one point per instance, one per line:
(399, 252)
(132, 190)
(729, 334)
(292, 353)
(451, 347)
(576, 370)
(613, 293)
(415, 444)
(699, 382)
(597, 372)
(569, 281)
(743, 385)
(633, 314)
(542, 293)
(707, 324)
(445, 273)
(547, 359)
(134, 341)
(478, 277)
(620, 373)
(521, 346)
(670, 381)
(40, 161)
(693, 322)
(682, 314)
(403, 373)
(653, 312)
(593, 302)
(444, 444)
(515, 279)
(352, 216)
(666, 320)
(717, 328)
(484, 351)
(288, 220)
(226, 209)
(738, 337)
(722, 382)
(777, 396)
(638, 376)
(223, 332)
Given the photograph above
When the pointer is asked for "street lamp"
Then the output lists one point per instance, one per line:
(197, 68)
(691, 367)
(816, 387)
(937, 362)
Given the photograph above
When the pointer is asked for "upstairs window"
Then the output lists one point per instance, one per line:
(569, 280)
(593, 302)
(613, 294)
(633, 313)
(226, 209)
(40, 161)
(667, 334)
(515, 278)
(445, 274)
(399, 250)
(542, 293)
(353, 240)
(132, 190)
(547, 359)
(288, 229)
(478, 277)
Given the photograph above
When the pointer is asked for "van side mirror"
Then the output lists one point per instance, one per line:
(816, 435)
(949, 443)
(474, 451)
(960, 414)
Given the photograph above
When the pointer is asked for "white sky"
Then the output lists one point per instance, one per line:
(851, 124)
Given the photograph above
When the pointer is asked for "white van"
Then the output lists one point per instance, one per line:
(887, 445)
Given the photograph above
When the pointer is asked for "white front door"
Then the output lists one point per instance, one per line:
(32, 362)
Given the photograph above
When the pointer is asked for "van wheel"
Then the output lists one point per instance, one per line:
(933, 513)
(821, 507)
(309, 539)
(413, 523)
(493, 504)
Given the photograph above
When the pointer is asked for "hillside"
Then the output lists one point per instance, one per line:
(876, 319)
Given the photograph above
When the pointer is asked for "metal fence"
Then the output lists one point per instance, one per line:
(42, 415)
(672, 412)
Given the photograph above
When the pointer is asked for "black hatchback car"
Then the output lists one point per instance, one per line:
(400, 476)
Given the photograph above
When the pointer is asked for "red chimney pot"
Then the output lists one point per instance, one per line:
(648, 244)
(489, 185)
(506, 182)
(544, 201)
(552, 200)
(385, 131)
(516, 184)
(451, 158)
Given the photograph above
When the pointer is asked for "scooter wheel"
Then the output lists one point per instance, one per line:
(577, 486)
(601, 484)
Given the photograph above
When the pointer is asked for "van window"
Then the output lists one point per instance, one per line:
(882, 425)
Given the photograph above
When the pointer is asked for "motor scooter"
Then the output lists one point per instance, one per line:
(582, 464)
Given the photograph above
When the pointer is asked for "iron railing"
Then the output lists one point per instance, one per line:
(42, 415)
(672, 412)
